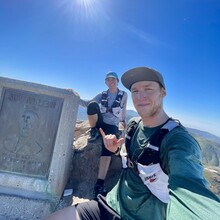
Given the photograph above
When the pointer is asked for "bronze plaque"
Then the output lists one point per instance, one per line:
(28, 128)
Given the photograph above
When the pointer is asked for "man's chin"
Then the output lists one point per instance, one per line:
(141, 112)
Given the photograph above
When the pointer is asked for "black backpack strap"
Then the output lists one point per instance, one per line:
(131, 128)
(157, 137)
(104, 100)
(151, 152)
(118, 99)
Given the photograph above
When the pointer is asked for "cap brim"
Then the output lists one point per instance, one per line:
(111, 77)
(141, 74)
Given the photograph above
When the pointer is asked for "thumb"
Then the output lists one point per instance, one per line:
(120, 141)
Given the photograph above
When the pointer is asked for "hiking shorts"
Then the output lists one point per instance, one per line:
(96, 210)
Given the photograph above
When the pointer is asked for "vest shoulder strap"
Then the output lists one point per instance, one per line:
(151, 152)
(104, 100)
(158, 136)
(132, 126)
(118, 99)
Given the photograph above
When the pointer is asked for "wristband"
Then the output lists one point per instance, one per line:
(117, 151)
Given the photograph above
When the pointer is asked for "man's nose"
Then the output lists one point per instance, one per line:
(141, 94)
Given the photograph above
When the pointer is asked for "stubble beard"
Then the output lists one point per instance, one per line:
(150, 113)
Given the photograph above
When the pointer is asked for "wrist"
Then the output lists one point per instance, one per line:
(117, 151)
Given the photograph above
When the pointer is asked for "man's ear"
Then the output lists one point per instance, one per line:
(164, 93)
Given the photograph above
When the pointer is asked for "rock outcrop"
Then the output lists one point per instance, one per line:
(86, 162)
(84, 170)
(85, 165)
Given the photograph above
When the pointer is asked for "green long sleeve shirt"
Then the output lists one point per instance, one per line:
(190, 197)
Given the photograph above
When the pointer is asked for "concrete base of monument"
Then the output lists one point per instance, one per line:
(36, 136)
(14, 208)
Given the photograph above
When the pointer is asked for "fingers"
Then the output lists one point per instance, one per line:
(120, 141)
(102, 132)
(110, 141)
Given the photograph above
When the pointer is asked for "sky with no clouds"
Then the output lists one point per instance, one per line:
(74, 43)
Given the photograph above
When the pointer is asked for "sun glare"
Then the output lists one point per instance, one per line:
(82, 5)
(86, 3)
(83, 18)
(85, 8)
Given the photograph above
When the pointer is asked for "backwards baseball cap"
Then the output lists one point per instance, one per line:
(111, 74)
(141, 74)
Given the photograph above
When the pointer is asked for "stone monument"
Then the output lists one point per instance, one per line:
(36, 135)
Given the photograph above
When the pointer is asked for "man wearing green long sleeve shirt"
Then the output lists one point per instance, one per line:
(173, 188)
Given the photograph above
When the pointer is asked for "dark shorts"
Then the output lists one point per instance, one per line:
(96, 210)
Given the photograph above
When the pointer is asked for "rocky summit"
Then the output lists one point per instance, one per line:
(84, 170)
(85, 164)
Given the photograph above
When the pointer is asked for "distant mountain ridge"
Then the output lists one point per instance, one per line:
(204, 134)
(210, 147)
(82, 116)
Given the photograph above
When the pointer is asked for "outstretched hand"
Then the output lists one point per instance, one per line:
(111, 142)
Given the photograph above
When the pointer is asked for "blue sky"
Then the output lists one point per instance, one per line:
(73, 43)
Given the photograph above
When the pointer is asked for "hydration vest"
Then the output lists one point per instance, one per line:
(148, 163)
(151, 152)
(116, 106)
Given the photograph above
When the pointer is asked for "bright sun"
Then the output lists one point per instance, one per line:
(86, 11)
(86, 3)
